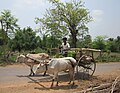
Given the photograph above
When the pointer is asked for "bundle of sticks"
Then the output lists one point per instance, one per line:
(113, 87)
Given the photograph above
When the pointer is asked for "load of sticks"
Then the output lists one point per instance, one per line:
(113, 87)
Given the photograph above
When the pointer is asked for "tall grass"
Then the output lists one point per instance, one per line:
(109, 57)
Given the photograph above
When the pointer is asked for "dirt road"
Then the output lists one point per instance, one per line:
(14, 79)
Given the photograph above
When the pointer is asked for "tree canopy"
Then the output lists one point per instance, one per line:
(8, 24)
(65, 19)
(24, 40)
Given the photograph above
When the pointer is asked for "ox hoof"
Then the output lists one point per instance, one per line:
(73, 84)
(29, 75)
(33, 74)
(51, 87)
(56, 85)
(44, 73)
(69, 82)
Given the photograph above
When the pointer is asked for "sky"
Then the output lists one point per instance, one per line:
(105, 13)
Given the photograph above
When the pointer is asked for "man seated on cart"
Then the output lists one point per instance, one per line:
(65, 47)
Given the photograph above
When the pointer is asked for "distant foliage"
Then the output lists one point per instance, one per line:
(99, 43)
(109, 57)
(8, 25)
(85, 41)
(107, 44)
(24, 40)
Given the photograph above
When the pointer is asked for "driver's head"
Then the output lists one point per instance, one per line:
(64, 39)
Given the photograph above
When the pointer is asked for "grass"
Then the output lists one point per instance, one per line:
(4, 62)
(108, 57)
(105, 57)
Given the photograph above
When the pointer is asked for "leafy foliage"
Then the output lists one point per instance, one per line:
(8, 23)
(85, 41)
(65, 19)
(24, 40)
(99, 43)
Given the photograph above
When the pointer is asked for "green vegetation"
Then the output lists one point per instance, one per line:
(24, 40)
(68, 19)
(109, 57)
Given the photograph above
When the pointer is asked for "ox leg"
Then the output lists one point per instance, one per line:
(31, 71)
(73, 77)
(55, 77)
(44, 73)
(52, 83)
(69, 79)
(57, 80)
(71, 72)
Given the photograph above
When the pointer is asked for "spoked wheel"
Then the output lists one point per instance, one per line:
(86, 64)
(91, 68)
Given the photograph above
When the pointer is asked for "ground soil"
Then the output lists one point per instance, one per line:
(13, 80)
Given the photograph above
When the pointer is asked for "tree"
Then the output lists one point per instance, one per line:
(49, 42)
(118, 43)
(87, 41)
(111, 45)
(24, 40)
(53, 42)
(64, 19)
(8, 24)
(1, 38)
(99, 42)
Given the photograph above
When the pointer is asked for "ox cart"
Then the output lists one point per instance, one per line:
(85, 59)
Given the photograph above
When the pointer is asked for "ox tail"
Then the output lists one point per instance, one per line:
(73, 64)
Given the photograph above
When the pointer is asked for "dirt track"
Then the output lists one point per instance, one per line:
(14, 79)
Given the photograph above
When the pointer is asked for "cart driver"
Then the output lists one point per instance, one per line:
(65, 47)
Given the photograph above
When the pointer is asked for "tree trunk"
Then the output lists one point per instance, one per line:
(74, 39)
(1, 24)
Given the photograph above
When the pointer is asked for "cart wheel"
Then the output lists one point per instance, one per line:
(91, 68)
(85, 66)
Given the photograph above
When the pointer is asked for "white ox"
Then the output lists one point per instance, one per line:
(32, 59)
(57, 65)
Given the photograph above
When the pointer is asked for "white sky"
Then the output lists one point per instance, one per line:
(106, 14)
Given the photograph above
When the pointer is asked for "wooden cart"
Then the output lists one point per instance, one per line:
(85, 59)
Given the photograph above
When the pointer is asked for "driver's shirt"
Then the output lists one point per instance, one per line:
(65, 46)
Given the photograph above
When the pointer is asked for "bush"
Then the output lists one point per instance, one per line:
(112, 57)
(39, 50)
(72, 54)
